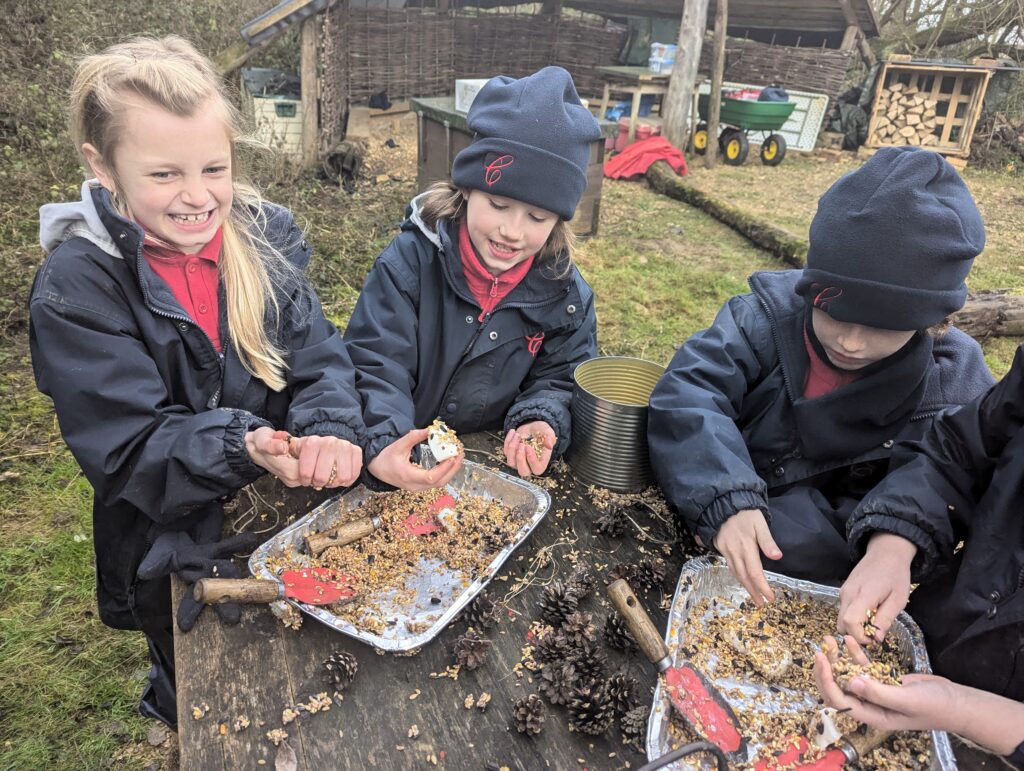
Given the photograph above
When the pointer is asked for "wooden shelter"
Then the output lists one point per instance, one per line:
(353, 49)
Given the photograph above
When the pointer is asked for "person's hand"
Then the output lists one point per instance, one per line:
(521, 456)
(880, 582)
(392, 465)
(741, 539)
(921, 703)
(326, 461)
(268, 449)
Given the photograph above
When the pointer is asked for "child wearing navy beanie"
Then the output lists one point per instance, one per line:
(475, 312)
(770, 426)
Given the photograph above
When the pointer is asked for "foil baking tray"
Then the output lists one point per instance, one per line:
(702, 578)
(438, 593)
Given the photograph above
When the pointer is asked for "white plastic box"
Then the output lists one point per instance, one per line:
(466, 91)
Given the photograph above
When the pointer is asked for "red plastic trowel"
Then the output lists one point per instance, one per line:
(691, 694)
(313, 586)
(441, 513)
(850, 749)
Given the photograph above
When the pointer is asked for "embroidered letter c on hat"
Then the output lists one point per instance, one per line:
(492, 171)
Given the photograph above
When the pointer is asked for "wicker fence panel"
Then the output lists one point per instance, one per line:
(803, 69)
(420, 52)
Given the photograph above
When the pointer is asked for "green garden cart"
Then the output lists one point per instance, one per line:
(740, 117)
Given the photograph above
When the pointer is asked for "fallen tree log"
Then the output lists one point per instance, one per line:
(781, 243)
(986, 313)
(991, 313)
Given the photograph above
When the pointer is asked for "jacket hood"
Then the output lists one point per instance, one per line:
(414, 218)
(60, 222)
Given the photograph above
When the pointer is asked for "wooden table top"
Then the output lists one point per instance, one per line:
(259, 667)
(638, 74)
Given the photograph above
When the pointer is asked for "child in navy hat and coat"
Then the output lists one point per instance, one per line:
(770, 426)
(475, 312)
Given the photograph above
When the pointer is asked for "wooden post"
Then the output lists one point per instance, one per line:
(310, 91)
(717, 75)
(851, 38)
(684, 72)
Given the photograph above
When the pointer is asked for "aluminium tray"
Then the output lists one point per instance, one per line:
(703, 577)
(439, 593)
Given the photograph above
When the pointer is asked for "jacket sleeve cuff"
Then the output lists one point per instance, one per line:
(927, 559)
(374, 445)
(333, 428)
(552, 412)
(723, 507)
(234, 441)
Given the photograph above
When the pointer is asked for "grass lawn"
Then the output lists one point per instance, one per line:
(68, 685)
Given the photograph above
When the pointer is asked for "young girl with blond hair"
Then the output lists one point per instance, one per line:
(475, 313)
(182, 347)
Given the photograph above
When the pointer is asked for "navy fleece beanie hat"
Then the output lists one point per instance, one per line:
(532, 141)
(892, 242)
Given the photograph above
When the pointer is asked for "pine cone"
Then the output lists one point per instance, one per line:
(557, 602)
(528, 714)
(623, 691)
(471, 650)
(340, 669)
(612, 520)
(650, 573)
(483, 613)
(589, 663)
(578, 628)
(617, 634)
(581, 582)
(634, 726)
(557, 681)
(551, 648)
(590, 710)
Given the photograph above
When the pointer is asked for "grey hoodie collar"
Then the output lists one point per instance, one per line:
(432, 235)
(60, 222)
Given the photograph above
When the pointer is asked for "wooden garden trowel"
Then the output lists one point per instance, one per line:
(313, 586)
(440, 513)
(691, 694)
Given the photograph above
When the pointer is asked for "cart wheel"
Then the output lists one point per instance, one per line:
(735, 148)
(773, 150)
(700, 139)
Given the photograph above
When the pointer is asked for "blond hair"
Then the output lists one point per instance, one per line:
(444, 201)
(171, 74)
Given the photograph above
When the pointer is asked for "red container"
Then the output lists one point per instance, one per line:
(644, 130)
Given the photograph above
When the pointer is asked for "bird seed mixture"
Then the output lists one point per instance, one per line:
(382, 564)
(762, 660)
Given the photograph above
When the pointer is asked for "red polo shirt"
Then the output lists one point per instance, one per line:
(488, 289)
(193, 279)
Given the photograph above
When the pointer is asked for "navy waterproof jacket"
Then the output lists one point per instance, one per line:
(963, 482)
(723, 432)
(421, 350)
(153, 414)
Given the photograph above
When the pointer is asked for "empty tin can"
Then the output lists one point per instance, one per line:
(609, 422)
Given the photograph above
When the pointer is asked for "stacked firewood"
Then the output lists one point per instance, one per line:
(906, 117)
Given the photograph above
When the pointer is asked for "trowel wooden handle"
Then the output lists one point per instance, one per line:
(341, 535)
(639, 623)
(863, 744)
(247, 590)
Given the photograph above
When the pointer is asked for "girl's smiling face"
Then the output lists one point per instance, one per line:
(172, 172)
(505, 231)
(854, 346)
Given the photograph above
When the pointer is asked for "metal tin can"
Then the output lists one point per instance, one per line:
(609, 422)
